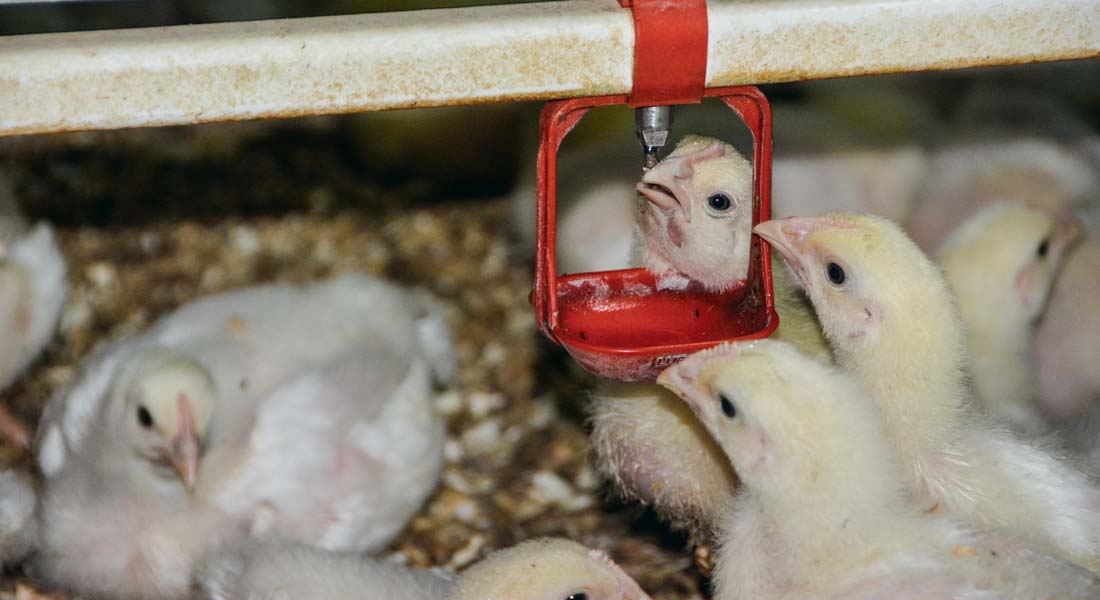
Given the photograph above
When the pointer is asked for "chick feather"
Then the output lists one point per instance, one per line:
(297, 411)
(541, 569)
(32, 292)
(893, 324)
(277, 568)
(18, 529)
(32, 287)
(824, 512)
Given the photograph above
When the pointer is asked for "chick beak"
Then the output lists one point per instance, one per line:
(185, 445)
(788, 237)
(683, 380)
(661, 185)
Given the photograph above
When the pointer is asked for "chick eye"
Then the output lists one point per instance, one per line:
(144, 418)
(727, 407)
(720, 202)
(1044, 247)
(580, 596)
(835, 273)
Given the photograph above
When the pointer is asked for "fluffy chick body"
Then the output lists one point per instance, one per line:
(543, 569)
(892, 323)
(1001, 264)
(824, 513)
(320, 428)
(278, 569)
(18, 529)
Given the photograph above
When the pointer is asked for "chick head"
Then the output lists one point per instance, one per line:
(862, 273)
(547, 569)
(1008, 251)
(168, 401)
(785, 421)
(696, 213)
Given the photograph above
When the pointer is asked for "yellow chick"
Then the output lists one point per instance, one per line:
(1001, 263)
(694, 217)
(892, 322)
(824, 513)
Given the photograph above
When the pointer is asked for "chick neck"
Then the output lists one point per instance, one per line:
(843, 511)
(914, 370)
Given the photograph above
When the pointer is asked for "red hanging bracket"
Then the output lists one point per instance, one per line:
(630, 324)
(670, 51)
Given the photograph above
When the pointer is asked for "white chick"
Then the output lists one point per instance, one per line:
(824, 512)
(17, 525)
(304, 412)
(274, 569)
(543, 569)
(695, 214)
(32, 293)
(892, 323)
(1001, 264)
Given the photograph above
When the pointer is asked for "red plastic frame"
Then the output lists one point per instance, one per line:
(641, 349)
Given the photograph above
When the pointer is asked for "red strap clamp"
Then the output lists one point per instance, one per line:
(670, 51)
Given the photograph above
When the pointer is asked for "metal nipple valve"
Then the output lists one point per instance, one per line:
(651, 126)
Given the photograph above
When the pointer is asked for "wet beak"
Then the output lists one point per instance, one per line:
(660, 186)
(185, 446)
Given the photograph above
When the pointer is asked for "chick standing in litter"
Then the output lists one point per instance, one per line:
(542, 569)
(824, 513)
(694, 218)
(893, 324)
(1001, 264)
(303, 412)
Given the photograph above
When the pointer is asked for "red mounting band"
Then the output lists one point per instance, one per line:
(670, 51)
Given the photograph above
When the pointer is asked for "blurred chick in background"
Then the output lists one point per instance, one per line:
(33, 289)
(892, 322)
(304, 412)
(824, 513)
(1001, 264)
(1010, 144)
